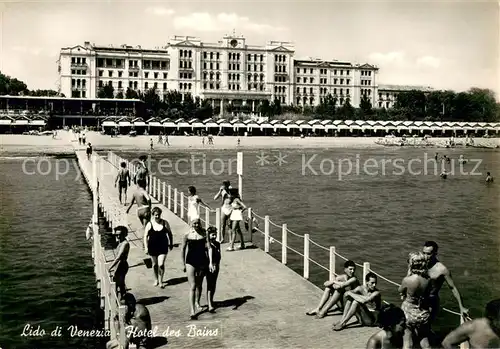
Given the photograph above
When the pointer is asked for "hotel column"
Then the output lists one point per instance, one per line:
(221, 112)
(253, 106)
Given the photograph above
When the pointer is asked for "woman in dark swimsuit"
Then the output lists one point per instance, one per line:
(158, 240)
(197, 262)
(213, 274)
(121, 261)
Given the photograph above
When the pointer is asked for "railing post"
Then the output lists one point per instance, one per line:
(158, 190)
(207, 217)
(121, 316)
(332, 263)
(150, 185)
(153, 190)
(175, 200)
(266, 234)
(169, 197)
(163, 196)
(366, 270)
(182, 206)
(250, 224)
(284, 243)
(218, 224)
(306, 256)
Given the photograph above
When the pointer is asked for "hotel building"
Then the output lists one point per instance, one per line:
(387, 94)
(226, 72)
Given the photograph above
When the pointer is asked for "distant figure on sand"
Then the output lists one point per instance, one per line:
(438, 274)
(392, 321)
(193, 211)
(238, 207)
(335, 290)
(461, 159)
(415, 290)
(210, 139)
(480, 333)
(197, 260)
(239, 141)
(123, 180)
(143, 200)
(160, 139)
(489, 178)
(166, 140)
(89, 151)
(364, 302)
(158, 240)
(120, 261)
(226, 209)
(151, 143)
(213, 274)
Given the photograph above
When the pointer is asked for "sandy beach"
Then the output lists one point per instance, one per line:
(62, 143)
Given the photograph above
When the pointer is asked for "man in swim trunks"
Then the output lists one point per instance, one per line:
(142, 175)
(480, 333)
(143, 200)
(438, 273)
(364, 302)
(89, 151)
(123, 180)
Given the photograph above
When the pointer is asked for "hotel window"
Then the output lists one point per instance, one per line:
(311, 90)
(341, 72)
(84, 72)
(347, 72)
(164, 75)
(205, 86)
(335, 72)
(341, 81)
(146, 74)
(304, 70)
(311, 80)
(156, 75)
(211, 65)
(135, 85)
(100, 83)
(110, 73)
(155, 85)
(217, 86)
(130, 84)
(110, 83)
(217, 66)
(335, 81)
(347, 91)
(119, 74)
(217, 55)
(204, 65)
(304, 90)
(119, 84)
(145, 85)
(204, 55)
(347, 81)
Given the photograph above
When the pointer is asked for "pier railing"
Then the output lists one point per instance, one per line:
(177, 202)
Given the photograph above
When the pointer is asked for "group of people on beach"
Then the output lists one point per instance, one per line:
(410, 323)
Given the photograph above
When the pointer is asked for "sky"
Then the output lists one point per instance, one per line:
(443, 44)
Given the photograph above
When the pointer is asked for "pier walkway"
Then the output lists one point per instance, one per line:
(260, 302)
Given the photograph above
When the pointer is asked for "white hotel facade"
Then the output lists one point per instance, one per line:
(229, 71)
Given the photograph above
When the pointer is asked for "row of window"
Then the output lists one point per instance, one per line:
(211, 55)
(78, 60)
(280, 89)
(234, 87)
(185, 86)
(280, 68)
(366, 73)
(185, 75)
(211, 86)
(211, 74)
(185, 64)
(280, 78)
(211, 65)
(304, 100)
(366, 82)
(255, 67)
(233, 66)
(132, 74)
(78, 72)
(366, 92)
(324, 90)
(233, 56)
(78, 83)
(304, 80)
(255, 87)
(323, 71)
(78, 94)
(249, 57)
(186, 53)
(387, 96)
(280, 58)
(381, 105)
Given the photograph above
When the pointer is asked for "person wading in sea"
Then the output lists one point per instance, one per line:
(438, 274)
(143, 200)
(123, 180)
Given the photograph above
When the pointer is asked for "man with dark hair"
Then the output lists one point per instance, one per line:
(137, 322)
(123, 180)
(438, 273)
(481, 333)
(142, 175)
(364, 301)
(393, 323)
(335, 290)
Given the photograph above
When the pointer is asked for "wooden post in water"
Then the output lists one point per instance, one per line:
(366, 270)
(218, 224)
(169, 197)
(163, 196)
(306, 256)
(182, 206)
(266, 234)
(284, 243)
(250, 224)
(175, 200)
(332, 263)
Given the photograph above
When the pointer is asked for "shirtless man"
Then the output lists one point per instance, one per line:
(142, 174)
(143, 200)
(137, 322)
(364, 302)
(123, 179)
(392, 321)
(438, 273)
(335, 290)
(481, 333)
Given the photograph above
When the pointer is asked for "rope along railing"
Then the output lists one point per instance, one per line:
(175, 200)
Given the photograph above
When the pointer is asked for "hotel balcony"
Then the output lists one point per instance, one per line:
(79, 65)
(134, 68)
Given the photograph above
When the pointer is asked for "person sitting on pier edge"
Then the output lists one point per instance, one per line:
(226, 209)
(236, 219)
(193, 209)
(143, 200)
(392, 321)
(213, 274)
(364, 301)
(141, 177)
(415, 289)
(480, 333)
(158, 240)
(121, 261)
(123, 180)
(137, 322)
(335, 290)
(196, 258)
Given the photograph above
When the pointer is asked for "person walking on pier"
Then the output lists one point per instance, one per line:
(393, 322)
(213, 274)
(89, 151)
(236, 220)
(142, 175)
(226, 208)
(123, 180)
(438, 274)
(158, 240)
(196, 258)
(143, 200)
(480, 333)
(120, 261)
(415, 290)
(335, 290)
(193, 210)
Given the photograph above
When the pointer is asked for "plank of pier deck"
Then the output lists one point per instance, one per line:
(272, 298)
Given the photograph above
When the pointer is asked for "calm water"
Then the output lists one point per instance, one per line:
(375, 218)
(46, 270)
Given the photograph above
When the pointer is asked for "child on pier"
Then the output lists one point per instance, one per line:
(335, 290)
(213, 274)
